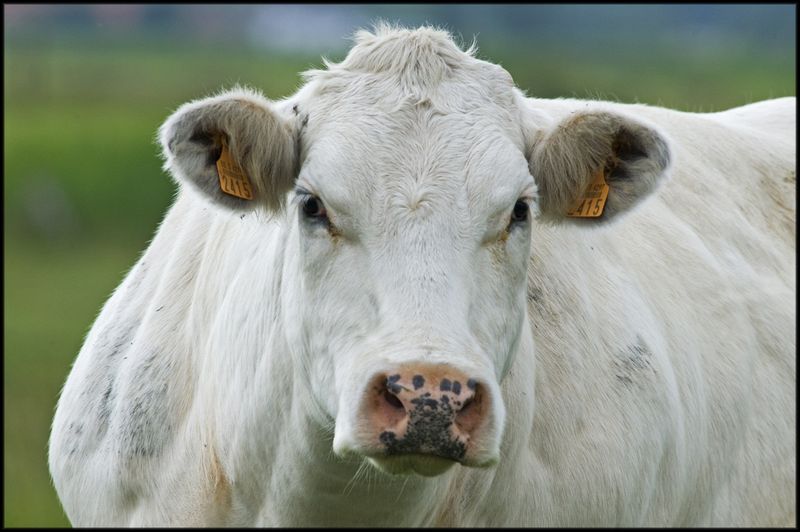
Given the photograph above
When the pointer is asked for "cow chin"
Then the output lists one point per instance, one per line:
(423, 464)
(420, 464)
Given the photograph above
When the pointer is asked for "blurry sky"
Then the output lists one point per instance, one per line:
(324, 29)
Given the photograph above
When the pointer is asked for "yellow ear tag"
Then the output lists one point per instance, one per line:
(232, 178)
(593, 201)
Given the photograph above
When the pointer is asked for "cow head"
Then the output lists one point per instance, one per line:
(407, 179)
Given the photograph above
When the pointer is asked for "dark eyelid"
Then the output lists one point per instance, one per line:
(300, 194)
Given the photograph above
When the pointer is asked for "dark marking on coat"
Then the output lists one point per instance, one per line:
(625, 380)
(445, 385)
(104, 409)
(534, 294)
(457, 388)
(144, 425)
(112, 339)
(637, 355)
(159, 308)
(632, 361)
(373, 303)
(73, 436)
(471, 384)
(418, 381)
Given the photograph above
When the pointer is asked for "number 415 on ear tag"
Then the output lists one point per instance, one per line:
(593, 200)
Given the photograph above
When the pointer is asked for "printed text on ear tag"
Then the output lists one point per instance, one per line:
(593, 200)
(232, 179)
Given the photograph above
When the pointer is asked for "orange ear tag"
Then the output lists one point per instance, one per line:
(232, 178)
(593, 200)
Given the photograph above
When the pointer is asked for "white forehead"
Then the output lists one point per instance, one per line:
(408, 116)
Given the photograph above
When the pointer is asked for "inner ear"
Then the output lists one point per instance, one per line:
(627, 148)
(211, 141)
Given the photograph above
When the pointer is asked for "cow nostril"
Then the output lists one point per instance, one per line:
(393, 400)
(470, 416)
(468, 403)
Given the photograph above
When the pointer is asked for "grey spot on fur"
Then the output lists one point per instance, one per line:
(112, 339)
(104, 407)
(638, 355)
(73, 436)
(373, 303)
(534, 294)
(145, 426)
(632, 361)
(625, 380)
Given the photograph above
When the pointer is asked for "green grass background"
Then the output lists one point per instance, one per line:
(79, 127)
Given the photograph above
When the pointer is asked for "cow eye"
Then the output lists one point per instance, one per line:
(313, 208)
(520, 212)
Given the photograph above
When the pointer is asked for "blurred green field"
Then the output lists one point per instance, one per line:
(84, 191)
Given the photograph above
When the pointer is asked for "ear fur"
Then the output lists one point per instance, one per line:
(636, 158)
(260, 141)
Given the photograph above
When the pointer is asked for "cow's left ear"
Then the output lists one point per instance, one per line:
(570, 161)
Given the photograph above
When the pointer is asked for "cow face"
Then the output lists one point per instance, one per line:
(404, 177)
(413, 219)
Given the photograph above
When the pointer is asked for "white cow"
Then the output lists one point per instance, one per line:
(403, 327)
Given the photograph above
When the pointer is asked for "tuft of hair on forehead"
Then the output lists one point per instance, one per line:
(420, 57)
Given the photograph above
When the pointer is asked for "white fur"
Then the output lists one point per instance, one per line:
(646, 367)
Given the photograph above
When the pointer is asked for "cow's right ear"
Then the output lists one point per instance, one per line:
(256, 139)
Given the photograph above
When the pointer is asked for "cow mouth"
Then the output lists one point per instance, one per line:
(426, 465)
